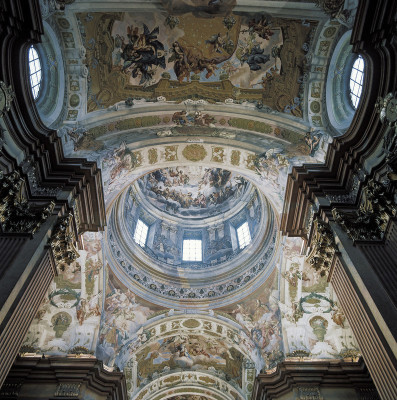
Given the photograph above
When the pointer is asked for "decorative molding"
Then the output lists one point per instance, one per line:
(16, 214)
(6, 96)
(351, 196)
(369, 222)
(308, 376)
(323, 247)
(67, 390)
(63, 241)
(36, 189)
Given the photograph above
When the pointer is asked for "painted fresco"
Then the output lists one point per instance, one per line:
(193, 190)
(70, 313)
(200, 8)
(190, 352)
(123, 316)
(314, 325)
(243, 57)
(260, 319)
(216, 236)
(121, 158)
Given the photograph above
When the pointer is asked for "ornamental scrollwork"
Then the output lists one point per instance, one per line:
(16, 214)
(369, 222)
(63, 241)
(323, 247)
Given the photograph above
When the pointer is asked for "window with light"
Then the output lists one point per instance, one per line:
(356, 81)
(192, 250)
(34, 71)
(243, 235)
(141, 231)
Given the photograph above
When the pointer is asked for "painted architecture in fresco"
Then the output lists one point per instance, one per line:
(195, 115)
(243, 57)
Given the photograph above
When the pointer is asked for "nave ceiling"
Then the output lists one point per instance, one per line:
(179, 97)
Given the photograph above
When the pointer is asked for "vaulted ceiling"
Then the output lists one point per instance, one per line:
(195, 111)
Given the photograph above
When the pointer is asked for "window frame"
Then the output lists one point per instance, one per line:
(36, 72)
(200, 251)
(245, 223)
(354, 97)
(137, 226)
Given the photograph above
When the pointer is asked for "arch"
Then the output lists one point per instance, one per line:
(340, 111)
(51, 100)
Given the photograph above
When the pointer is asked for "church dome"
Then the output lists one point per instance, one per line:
(224, 216)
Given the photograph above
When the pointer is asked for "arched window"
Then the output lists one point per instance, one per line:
(356, 81)
(34, 72)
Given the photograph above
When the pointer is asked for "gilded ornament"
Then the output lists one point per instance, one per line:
(369, 222)
(16, 214)
(63, 241)
(171, 153)
(194, 152)
(218, 154)
(323, 247)
(152, 155)
(235, 157)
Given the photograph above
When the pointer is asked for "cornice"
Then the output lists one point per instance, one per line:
(78, 179)
(327, 373)
(308, 186)
(75, 370)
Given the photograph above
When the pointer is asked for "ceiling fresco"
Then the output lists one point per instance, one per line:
(195, 112)
(193, 191)
(124, 152)
(254, 58)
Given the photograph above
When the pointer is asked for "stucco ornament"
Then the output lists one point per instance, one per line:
(194, 152)
(323, 247)
(6, 96)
